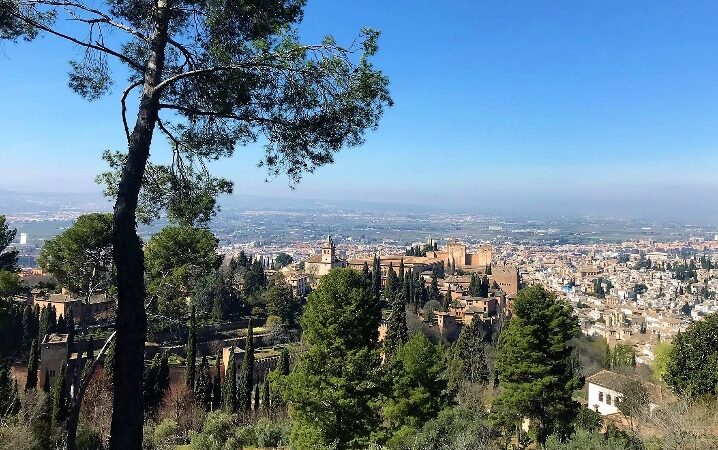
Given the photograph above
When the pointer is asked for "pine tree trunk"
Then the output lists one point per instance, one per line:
(131, 325)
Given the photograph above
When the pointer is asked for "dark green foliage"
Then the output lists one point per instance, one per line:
(397, 332)
(376, 278)
(391, 284)
(216, 296)
(217, 385)
(692, 368)
(418, 383)
(29, 327)
(229, 389)
(434, 294)
(9, 395)
(8, 258)
(155, 383)
(333, 386)
(282, 260)
(469, 354)
(535, 366)
(254, 279)
(280, 300)
(11, 328)
(59, 400)
(475, 286)
(80, 258)
(283, 368)
(61, 325)
(175, 259)
(88, 439)
(256, 398)
(245, 382)
(48, 322)
(191, 350)
(204, 385)
(32, 366)
(484, 286)
(266, 397)
(46, 384)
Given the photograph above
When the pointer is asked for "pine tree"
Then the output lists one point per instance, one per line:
(397, 333)
(229, 393)
(59, 400)
(246, 376)
(191, 349)
(32, 367)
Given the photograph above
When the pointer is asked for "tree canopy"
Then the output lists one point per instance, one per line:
(692, 367)
(334, 386)
(176, 258)
(534, 365)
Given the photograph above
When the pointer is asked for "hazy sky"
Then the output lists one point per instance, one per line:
(593, 106)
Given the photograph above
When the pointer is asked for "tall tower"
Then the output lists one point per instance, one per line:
(328, 251)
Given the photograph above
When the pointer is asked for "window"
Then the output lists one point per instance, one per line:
(608, 398)
(600, 396)
(52, 372)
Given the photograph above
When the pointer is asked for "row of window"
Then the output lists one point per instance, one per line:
(608, 399)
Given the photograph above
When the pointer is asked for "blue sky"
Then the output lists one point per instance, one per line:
(583, 107)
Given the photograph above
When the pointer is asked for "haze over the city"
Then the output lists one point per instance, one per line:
(500, 107)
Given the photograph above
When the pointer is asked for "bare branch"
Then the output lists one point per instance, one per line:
(124, 107)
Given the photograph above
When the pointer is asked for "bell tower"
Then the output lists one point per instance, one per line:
(328, 251)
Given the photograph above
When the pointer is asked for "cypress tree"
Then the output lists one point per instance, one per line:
(266, 402)
(390, 284)
(217, 385)
(447, 298)
(484, 286)
(52, 320)
(191, 350)
(59, 400)
(475, 286)
(365, 271)
(203, 386)
(70, 324)
(283, 366)
(46, 382)
(406, 287)
(9, 396)
(229, 393)
(44, 324)
(32, 366)
(246, 376)
(397, 333)
(27, 327)
(61, 325)
(256, 397)
(401, 270)
(469, 351)
(376, 279)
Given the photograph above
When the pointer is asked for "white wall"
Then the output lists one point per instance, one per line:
(598, 396)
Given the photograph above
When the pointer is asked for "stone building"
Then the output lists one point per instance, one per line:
(320, 265)
(53, 357)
